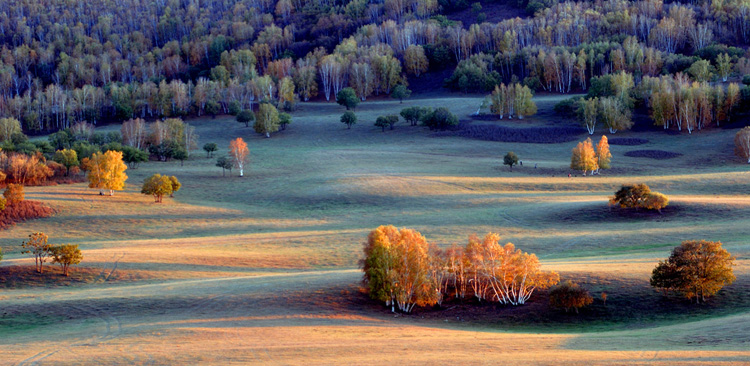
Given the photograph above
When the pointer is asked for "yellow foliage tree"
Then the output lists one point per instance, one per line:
(239, 152)
(106, 171)
(584, 157)
(742, 144)
(603, 156)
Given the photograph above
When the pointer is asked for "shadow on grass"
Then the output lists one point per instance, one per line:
(595, 213)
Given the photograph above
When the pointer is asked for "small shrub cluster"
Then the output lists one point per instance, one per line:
(23, 211)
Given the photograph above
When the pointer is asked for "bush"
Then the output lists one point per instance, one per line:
(13, 194)
(441, 119)
(639, 196)
(25, 210)
(568, 295)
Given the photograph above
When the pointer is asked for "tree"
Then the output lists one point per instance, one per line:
(245, 116)
(615, 114)
(106, 171)
(603, 156)
(510, 159)
(9, 127)
(224, 163)
(267, 120)
(695, 269)
(381, 122)
(569, 295)
(13, 193)
(415, 60)
(158, 186)
(67, 157)
(639, 196)
(38, 248)
(133, 156)
(210, 148)
(176, 185)
(348, 118)
(180, 154)
(524, 105)
(440, 119)
(397, 269)
(414, 114)
(66, 255)
(239, 152)
(724, 66)
(401, 92)
(742, 144)
(588, 113)
(284, 120)
(584, 157)
(347, 98)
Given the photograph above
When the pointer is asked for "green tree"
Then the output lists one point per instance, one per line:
(158, 186)
(701, 70)
(348, 118)
(347, 98)
(440, 119)
(510, 159)
(210, 148)
(66, 255)
(414, 114)
(569, 295)
(267, 120)
(401, 92)
(224, 163)
(245, 116)
(284, 120)
(695, 269)
(68, 158)
(381, 122)
(38, 248)
(133, 156)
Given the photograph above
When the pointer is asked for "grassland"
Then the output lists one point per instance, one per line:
(262, 269)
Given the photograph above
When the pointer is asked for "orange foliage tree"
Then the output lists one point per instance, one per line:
(239, 152)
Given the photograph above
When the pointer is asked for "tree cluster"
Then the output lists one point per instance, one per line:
(64, 254)
(403, 270)
(639, 196)
(586, 159)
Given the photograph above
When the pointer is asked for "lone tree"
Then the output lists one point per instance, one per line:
(267, 120)
(510, 159)
(158, 186)
(695, 269)
(347, 98)
(284, 120)
(66, 255)
(348, 118)
(401, 92)
(639, 196)
(107, 171)
(210, 148)
(133, 156)
(245, 116)
(239, 152)
(224, 163)
(568, 295)
(38, 248)
(584, 157)
(742, 144)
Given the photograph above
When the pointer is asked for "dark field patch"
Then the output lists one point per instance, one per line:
(627, 141)
(598, 213)
(653, 154)
(534, 135)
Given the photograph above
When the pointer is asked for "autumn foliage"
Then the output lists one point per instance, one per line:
(696, 269)
(404, 271)
(639, 196)
(569, 295)
(106, 171)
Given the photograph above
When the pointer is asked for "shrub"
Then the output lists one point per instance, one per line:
(25, 210)
(13, 193)
(639, 196)
(568, 295)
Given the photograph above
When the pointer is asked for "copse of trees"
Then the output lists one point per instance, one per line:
(159, 185)
(440, 119)
(512, 100)
(695, 269)
(414, 115)
(386, 121)
(37, 247)
(404, 271)
(586, 159)
(639, 196)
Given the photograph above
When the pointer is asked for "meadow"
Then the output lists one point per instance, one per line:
(264, 269)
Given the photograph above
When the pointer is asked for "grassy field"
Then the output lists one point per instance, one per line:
(263, 269)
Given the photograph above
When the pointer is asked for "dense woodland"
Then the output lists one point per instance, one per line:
(63, 62)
